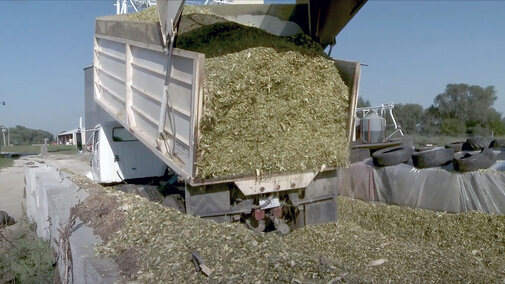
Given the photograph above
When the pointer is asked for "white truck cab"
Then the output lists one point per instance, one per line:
(117, 155)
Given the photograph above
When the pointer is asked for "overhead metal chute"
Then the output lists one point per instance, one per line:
(327, 18)
(169, 12)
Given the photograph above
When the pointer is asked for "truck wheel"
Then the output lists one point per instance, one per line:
(498, 143)
(476, 143)
(456, 146)
(472, 162)
(391, 156)
(432, 158)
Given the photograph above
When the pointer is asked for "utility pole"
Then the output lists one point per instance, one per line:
(3, 135)
(3, 103)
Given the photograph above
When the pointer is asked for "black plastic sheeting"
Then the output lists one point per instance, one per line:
(439, 188)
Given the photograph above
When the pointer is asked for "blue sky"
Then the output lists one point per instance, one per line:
(413, 49)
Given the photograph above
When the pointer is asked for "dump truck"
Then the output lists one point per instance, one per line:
(155, 91)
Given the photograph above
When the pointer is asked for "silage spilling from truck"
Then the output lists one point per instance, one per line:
(272, 104)
(246, 109)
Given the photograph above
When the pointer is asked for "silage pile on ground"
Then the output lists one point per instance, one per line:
(370, 243)
(271, 104)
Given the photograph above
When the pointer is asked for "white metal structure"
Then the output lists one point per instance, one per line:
(123, 5)
(117, 155)
(207, 2)
(381, 110)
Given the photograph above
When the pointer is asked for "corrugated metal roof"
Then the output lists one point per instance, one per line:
(69, 132)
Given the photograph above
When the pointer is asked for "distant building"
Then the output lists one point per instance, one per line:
(71, 137)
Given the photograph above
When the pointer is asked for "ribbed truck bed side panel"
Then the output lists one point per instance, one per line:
(129, 84)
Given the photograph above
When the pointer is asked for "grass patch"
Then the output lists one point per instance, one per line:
(27, 149)
(24, 258)
(6, 162)
(35, 149)
(62, 149)
(439, 140)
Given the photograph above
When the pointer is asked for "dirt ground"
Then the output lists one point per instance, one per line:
(11, 188)
(23, 257)
(12, 178)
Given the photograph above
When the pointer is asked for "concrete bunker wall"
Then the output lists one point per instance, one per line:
(49, 199)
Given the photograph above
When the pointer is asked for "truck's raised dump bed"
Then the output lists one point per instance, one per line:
(130, 62)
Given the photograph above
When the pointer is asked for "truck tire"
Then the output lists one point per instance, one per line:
(391, 156)
(472, 162)
(498, 143)
(432, 158)
(456, 146)
(476, 143)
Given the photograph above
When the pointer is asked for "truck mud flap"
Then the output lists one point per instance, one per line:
(213, 202)
(202, 202)
(319, 205)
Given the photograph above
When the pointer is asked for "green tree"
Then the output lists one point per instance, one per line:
(430, 123)
(21, 135)
(363, 103)
(452, 126)
(472, 105)
(454, 102)
(494, 123)
(409, 117)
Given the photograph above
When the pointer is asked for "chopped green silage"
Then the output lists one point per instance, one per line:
(201, 31)
(369, 243)
(272, 104)
(214, 36)
(147, 15)
(273, 112)
(420, 245)
(151, 14)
